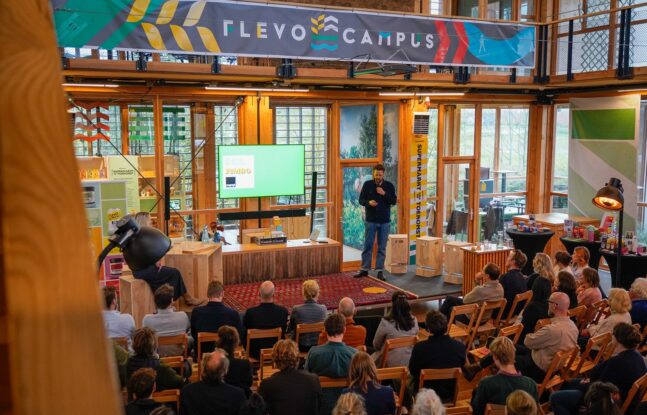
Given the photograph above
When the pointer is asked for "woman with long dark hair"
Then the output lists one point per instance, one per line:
(399, 323)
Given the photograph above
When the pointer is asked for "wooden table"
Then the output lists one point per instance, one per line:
(475, 260)
(198, 262)
(294, 259)
(555, 222)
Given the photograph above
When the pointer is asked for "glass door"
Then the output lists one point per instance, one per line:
(457, 211)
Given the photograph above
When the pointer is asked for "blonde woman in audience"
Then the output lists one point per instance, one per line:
(308, 312)
(349, 404)
(589, 290)
(427, 403)
(580, 261)
(543, 267)
(620, 304)
(638, 294)
(363, 381)
(520, 403)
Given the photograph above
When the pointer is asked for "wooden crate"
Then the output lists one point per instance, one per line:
(397, 254)
(454, 261)
(199, 263)
(135, 297)
(429, 256)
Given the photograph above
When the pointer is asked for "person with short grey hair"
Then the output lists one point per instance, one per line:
(428, 403)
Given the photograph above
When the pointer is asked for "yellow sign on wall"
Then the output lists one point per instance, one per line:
(417, 192)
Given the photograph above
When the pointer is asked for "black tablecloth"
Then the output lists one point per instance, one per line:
(530, 243)
(633, 266)
(593, 247)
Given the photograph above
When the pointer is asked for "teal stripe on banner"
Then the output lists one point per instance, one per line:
(607, 124)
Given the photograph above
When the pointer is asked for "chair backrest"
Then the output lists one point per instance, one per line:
(168, 396)
(181, 340)
(205, 337)
(121, 341)
(308, 328)
(579, 313)
(489, 311)
(326, 382)
(469, 310)
(459, 410)
(441, 374)
(390, 344)
(553, 376)
(541, 323)
(599, 309)
(399, 373)
(267, 361)
(492, 409)
(361, 348)
(176, 362)
(522, 298)
(253, 334)
(636, 392)
(601, 341)
(512, 332)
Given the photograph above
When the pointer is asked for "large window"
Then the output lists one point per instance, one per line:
(91, 141)
(226, 133)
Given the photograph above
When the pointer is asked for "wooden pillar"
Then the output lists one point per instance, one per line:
(158, 133)
(537, 174)
(54, 355)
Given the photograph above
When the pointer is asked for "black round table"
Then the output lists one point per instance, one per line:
(530, 243)
(633, 266)
(593, 247)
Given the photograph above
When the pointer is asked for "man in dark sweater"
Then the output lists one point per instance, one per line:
(266, 315)
(211, 395)
(214, 314)
(513, 281)
(377, 197)
(141, 386)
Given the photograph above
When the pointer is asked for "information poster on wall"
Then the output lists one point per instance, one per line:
(124, 168)
(417, 193)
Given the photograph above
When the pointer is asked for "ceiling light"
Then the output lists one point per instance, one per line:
(233, 88)
(93, 85)
(440, 94)
(633, 90)
(397, 94)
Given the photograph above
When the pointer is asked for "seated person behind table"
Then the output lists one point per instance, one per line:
(210, 317)
(307, 313)
(355, 335)
(116, 323)
(495, 389)
(562, 262)
(399, 323)
(580, 261)
(589, 291)
(266, 315)
(513, 281)
(141, 386)
(488, 288)
(167, 321)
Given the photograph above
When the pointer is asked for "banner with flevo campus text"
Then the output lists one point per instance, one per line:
(287, 31)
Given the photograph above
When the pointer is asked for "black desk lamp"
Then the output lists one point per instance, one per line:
(610, 197)
(141, 247)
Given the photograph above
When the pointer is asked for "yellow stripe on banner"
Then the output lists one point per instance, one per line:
(181, 38)
(209, 39)
(167, 12)
(138, 10)
(154, 36)
(195, 12)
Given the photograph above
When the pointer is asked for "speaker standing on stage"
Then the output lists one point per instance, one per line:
(377, 197)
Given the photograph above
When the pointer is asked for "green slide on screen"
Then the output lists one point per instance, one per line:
(261, 170)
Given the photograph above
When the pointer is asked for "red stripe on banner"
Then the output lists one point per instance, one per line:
(462, 42)
(444, 42)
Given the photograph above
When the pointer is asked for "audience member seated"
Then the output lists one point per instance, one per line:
(619, 304)
(116, 323)
(355, 335)
(589, 291)
(266, 315)
(638, 294)
(622, 370)
(520, 403)
(562, 262)
(307, 313)
(602, 398)
(240, 370)
(439, 351)
(537, 308)
(350, 404)
(542, 267)
(121, 360)
(290, 390)
(495, 389)
(331, 359)
(535, 356)
(141, 387)
(211, 395)
(255, 405)
(565, 283)
(487, 288)
(210, 317)
(427, 403)
(580, 261)
(145, 347)
(379, 399)
(167, 321)
(399, 323)
(513, 281)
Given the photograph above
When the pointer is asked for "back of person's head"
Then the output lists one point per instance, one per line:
(492, 271)
(566, 281)
(627, 335)
(214, 365)
(109, 295)
(362, 371)
(600, 398)
(583, 252)
(563, 258)
(162, 410)
(215, 289)
(638, 289)
(520, 403)
(503, 350)
(145, 342)
(142, 219)
(428, 403)
(591, 277)
(349, 404)
(335, 324)
(141, 384)
(436, 323)
(346, 307)
(255, 405)
(518, 258)
(285, 354)
(164, 296)
(310, 289)
(266, 291)
(401, 311)
(228, 339)
(619, 301)
(543, 266)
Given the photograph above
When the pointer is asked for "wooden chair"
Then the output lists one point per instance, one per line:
(554, 377)
(579, 314)
(180, 340)
(306, 328)
(513, 332)
(361, 348)
(398, 342)
(598, 310)
(203, 337)
(175, 362)
(458, 331)
(256, 334)
(579, 365)
(541, 323)
(637, 392)
(484, 326)
(326, 382)
(266, 367)
(459, 410)
(518, 299)
(121, 341)
(168, 396)
(427, 375)
(395, 373)
(492, 409)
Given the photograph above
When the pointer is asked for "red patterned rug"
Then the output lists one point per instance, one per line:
(364, 291)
